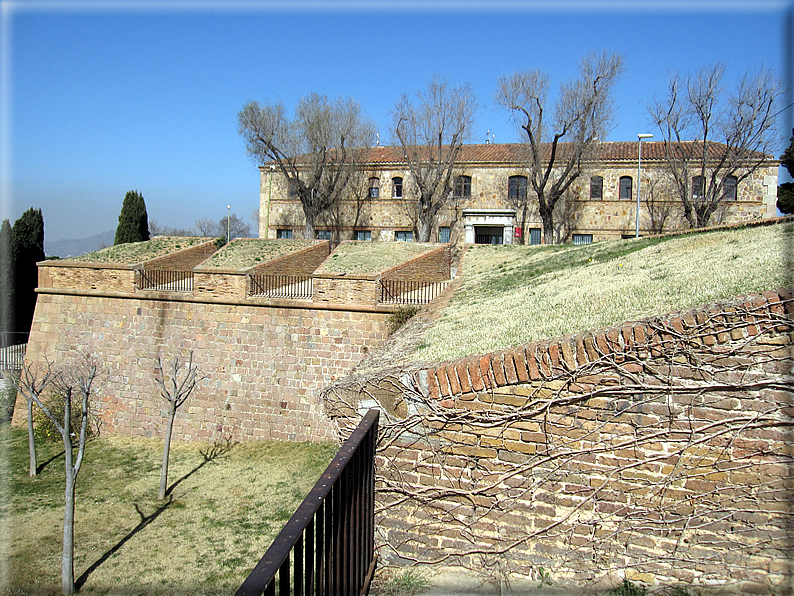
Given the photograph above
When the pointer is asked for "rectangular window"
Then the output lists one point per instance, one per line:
(443, 234)
(625, 187)
(364, 235)
(582, 239)
(284, 234)
(697, 187)
(596, 187)
(534, 235)
(462, 188)
(397, 188)
(729, 188)
(323, 234)
(517, 188)
(374, 188)
(404, 236)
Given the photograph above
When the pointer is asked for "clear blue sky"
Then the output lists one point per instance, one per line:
(99, 98)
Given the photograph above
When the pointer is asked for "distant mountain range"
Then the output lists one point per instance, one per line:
(73, 248)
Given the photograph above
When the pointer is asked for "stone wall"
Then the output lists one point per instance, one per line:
(94, 276)
(659, 451)
(219, 283)
(263, 365)
(332, 289)
(299, 263)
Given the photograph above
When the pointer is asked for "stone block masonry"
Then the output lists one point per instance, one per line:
(657, 450)
(263, 365)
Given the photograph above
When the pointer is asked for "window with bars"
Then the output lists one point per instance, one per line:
(284, 234)
(582, 239)
(443, 234)
(403, 236)
(364, 235)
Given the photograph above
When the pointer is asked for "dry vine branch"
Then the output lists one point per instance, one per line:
(658, 456)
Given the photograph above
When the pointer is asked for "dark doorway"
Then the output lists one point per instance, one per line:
(485, 235)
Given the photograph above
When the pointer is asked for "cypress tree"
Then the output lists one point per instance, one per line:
(6, 277)
(28, 249)
(133, 221)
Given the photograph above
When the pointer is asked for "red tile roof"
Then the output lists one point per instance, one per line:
(501, 153)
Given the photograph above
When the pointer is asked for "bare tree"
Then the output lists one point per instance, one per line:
(556, 153)
(176, 384)
(566, 213)
(347, 214)
(155, 229)
(75, 381)
(657, 200)
(316, 151)
(206, 227)
(714, 138)
(33, 380)
(237, 228)
(431, 128)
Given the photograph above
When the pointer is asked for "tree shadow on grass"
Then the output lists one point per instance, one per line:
(211, 453)
(214, 451)
(40, 467)
(145, 521)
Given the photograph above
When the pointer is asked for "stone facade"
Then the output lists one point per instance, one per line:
(490, 167)
(659, 451)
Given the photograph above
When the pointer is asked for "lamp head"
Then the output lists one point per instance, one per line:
(644, 136)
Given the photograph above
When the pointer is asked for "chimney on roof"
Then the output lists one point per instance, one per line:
(488, 137)
(377, 139)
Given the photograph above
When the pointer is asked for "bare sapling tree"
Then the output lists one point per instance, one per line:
(715, 138)
(557, 151)
(176, 381)
(76, 381)
(431, 127)
(33, 380)
(316, 151)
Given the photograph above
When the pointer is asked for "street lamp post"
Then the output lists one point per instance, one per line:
(228, 222)
(640, 137)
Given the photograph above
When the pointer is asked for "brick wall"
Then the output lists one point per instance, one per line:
(659, 450)
(300, 263)
(264, 365)
(431, 266)
(183, 260)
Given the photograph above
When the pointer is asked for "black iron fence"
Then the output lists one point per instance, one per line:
(164, 280)
(328, 546)
(281, 286)
(396, 291)
(12, 350)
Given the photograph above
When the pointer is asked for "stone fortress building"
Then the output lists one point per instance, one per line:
(490, 187)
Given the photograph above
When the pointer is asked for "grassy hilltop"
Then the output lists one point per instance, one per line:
(516, 294)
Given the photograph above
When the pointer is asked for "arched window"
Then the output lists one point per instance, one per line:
(517, 188)
(397, 187)
(374, 187)
(596, 187)
(462, 188)
(625, 187)
(729, 188)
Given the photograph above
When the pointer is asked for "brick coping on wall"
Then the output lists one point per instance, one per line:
(263, 302)
(545, 359)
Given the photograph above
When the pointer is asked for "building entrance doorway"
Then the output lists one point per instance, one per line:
(488, 235)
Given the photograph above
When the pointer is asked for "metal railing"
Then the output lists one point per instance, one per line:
(395, 291)
(12, 349)
(328, 545)
(164, 280)
(299, 287)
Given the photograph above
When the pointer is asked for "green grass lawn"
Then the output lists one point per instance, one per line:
(517, 294)
(222, 514)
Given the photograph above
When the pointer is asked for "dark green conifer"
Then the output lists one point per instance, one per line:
(133, 221)
(28, 249)
(6, 277)
(785, 192)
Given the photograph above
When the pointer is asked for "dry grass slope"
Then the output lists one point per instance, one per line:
(517, 294)
(136, 252)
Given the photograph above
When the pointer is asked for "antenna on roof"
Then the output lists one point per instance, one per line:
(377, 139)
(487, 137)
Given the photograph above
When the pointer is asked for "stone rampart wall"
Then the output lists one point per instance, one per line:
(219, 284)
(659, 451)
(263, 365)
(80, 276)
(346, 290)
